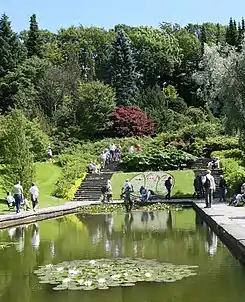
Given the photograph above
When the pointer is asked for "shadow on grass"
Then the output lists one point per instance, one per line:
(180, 195)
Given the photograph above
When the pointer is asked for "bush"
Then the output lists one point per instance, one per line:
(218, 143)
(177, 105)
(199, 131)
(156, 159)
(196, 115)
(232, 168)
(130, 121)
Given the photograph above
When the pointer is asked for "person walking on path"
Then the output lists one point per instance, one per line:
(109, 191)
(223, 188)
(34, 196)
(209, 186)
(168, 185)
(18, 192)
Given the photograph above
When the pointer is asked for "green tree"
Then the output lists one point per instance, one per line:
(12, 52)
(124, 77)
(203, 38)
(240, 37)
(96, 102)
(231, 33)
(17, 151)
(34, 42)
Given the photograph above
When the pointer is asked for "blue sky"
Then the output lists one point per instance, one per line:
(53, 14)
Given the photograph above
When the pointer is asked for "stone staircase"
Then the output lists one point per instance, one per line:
(90, 188)
(200, 168)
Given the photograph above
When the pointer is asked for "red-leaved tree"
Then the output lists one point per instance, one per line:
(130, 121)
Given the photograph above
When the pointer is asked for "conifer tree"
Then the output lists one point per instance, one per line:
(11, 51)
(218, 35)
(231, 33)
(243, 25)
(203, 38)
(124, 77)
(239, 37)
(33, 43)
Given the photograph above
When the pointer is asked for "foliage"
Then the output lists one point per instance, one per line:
(34, 43)
(130, 121)
(106, 273)
(124, 77)
(233, 170)
(95, 104)
(17, 152)
(196, 115)
(157, 159)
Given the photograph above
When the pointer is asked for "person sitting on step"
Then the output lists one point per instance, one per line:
(10, 201)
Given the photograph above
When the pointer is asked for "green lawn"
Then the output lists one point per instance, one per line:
(183, 183)
(46, 177)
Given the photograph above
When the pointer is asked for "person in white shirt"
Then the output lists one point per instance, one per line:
(50, 153)
(10, 200)
(25, 203)
(210, 187)
(112, 149)
(34, 196)
(131, 149)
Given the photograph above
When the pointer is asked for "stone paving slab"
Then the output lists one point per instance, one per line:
(229, 223)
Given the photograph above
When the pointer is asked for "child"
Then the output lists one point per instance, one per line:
(25, 203)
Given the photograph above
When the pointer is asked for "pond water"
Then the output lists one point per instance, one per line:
(168, 236)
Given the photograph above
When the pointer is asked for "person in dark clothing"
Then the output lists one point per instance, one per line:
(126, 195)
(168, 185)
(197, 187)
(223, 188)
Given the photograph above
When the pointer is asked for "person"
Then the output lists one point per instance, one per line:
(10, 200)
(25, 203)
(209, 187)
(112, 149)
(104, 193)
(197, 187)
(108, 156)
(237, 199)
(168, 185)
(102, 159)
(210, 165)
(117, 154)
(131, 149)
(243, 188)
(18, 191)
(128, 184)
(223, 188)
(145, 194)
(139, 148)
(34, 196)
(109, 191)
(127, 200)
(50, 153)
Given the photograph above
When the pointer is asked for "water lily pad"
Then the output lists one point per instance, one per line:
(106, 273)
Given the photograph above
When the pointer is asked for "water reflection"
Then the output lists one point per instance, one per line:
(168, 236)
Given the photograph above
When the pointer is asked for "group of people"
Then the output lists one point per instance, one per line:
(214, 164)
(205, 187)
(18, 199)
(238, 199)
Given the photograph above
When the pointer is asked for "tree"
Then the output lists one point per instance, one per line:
(203, 38)
(95, 104)
(12, 52)
(240, 37)
(231, 33)
(17, 151)
(34, 42)
(124, 77)
(130, 121)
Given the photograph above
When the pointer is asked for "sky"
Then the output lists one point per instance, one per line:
(54, 14)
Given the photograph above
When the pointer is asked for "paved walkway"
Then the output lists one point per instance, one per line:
(229, 224)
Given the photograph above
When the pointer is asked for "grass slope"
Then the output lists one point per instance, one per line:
(46, 177)
(183, 183)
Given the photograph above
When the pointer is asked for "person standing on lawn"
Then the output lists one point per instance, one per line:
(168, 185)
(18, 192)
(209, 187)
(34, 196)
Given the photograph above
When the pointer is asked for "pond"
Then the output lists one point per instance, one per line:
(166, 236)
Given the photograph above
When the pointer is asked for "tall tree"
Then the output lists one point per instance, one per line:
(218, 36)
(231, 33)
(203, 38)
(239, 37)
(11, 50)
(17, 151)
(124, 76)
(34, 42)
(243, 25)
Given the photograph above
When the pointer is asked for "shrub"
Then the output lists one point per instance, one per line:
(232, 168)
(196, 115)
(130, 121)
(201, 131)
(218, 143)
(177, 105)
(156, 159)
